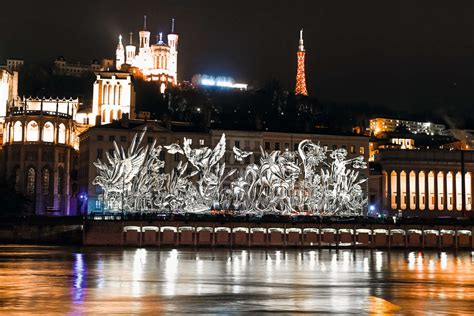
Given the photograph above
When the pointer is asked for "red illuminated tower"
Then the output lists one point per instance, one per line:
(300, 74)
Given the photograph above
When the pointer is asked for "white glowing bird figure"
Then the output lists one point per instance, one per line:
(239, 154)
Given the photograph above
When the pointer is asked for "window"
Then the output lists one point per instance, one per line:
(334, 147)
(97, 204)
(201, 142)
(362, 150)
(62, 134)
(111, 151)
(267, 145)
(48, 132)
(17, 132)
(100, 138)
(17, 180)
(176, 157)
(111, 138)
(32, 132)
(46, 177)
(99, 153)
(295, 146)
(237, 144)
(30, 184)
(123, 138)
(149, 139)
(352, 149)
(287, 146)
(60, 157)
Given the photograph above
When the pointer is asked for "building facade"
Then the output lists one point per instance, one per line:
(386, 125)
(39, 153)
(426, 183)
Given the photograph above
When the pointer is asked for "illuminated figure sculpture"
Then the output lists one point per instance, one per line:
(311, 181)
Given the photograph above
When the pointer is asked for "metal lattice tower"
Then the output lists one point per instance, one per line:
(300, 74)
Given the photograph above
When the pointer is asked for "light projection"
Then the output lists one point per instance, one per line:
(310, 181)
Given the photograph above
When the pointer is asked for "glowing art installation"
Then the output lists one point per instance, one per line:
(311, 181)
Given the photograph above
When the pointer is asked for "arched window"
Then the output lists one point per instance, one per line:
(17, 180)
(48, 132)
(30, 181)
(431, 191)
(109, 97)
(46, 180)
(17, 132)
(458, 189)
(104, 93)
(119, 115)
(119, 93)
(412, 190)
(114, 94)
(450, 190)
(103, 116)
(32, 132)
(468, 188)
(7, 133)
(111, 116)
(441, 193)
(422, 190)
(393, 193)
(403, 190)
(62, 134)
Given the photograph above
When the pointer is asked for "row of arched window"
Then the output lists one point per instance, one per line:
(428, 190)
(161, 61)
(18, 133)
(111, 94)
(109, 116)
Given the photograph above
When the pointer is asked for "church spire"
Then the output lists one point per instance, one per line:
(144, 22)
(172, 26)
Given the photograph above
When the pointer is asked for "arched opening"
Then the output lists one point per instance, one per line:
(162, 88)
(103, 116)
(449, 190)
(412, 190)
(104, 93)
(30, 181)
(32, 132)
(422, 190)
(431, 190)
(458, 191)
(393, 187)
(62, 134)
(18, 179)
(467, 184)
(119, 94)
(441, 193)
(114, 94)
(403, 190)
(119, 115)
(109, 97)
(48, 132)
(111, 116)
(17, 132)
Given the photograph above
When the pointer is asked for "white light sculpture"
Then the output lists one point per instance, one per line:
(311, 181)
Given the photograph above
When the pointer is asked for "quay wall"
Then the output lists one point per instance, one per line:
(275, 235)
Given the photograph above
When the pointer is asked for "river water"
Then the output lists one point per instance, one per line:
(62, 280)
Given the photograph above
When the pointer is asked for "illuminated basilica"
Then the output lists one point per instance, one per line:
(154, 62)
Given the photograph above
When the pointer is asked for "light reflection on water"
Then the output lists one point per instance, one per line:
(72, 280)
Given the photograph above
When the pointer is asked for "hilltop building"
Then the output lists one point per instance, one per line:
(154, 62)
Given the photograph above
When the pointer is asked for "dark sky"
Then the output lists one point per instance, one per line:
(382, 52)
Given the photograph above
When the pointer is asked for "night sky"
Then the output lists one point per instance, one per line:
(397, 53)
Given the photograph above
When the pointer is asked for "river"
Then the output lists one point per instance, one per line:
(68, 280)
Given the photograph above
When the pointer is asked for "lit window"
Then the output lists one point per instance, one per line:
(30, 184)
(48, 132)
(62, 134)
(46, 181)
(201, 142)
(17, 132)
(32, 132)
(362, 150)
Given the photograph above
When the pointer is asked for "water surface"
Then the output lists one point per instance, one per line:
(62, 280)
